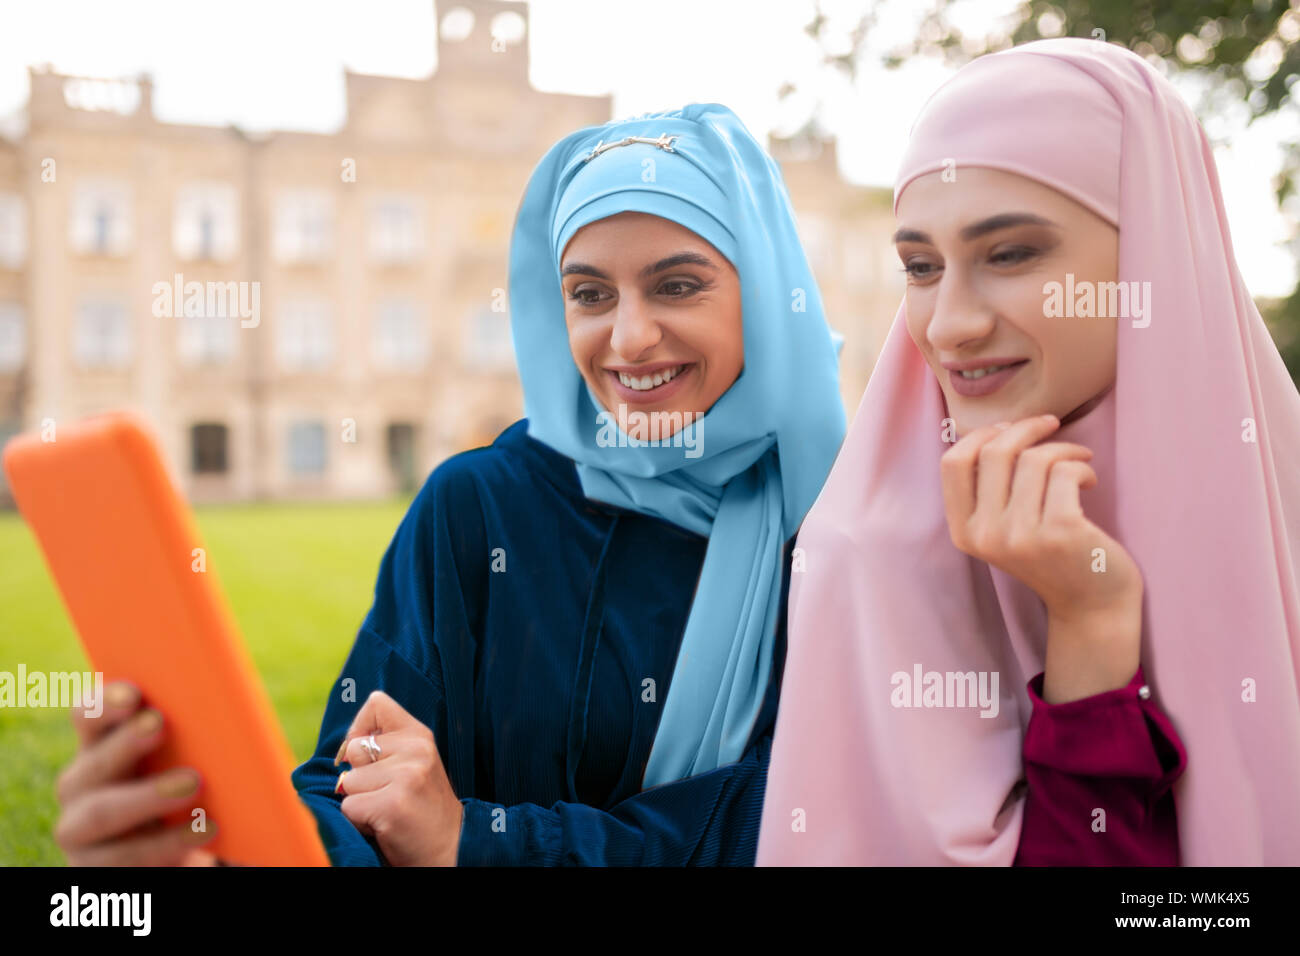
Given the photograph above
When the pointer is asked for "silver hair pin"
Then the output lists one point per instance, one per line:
(664, 142)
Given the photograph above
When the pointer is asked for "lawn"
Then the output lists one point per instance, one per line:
(299, 579)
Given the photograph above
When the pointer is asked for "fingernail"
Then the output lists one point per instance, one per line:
(119, 694)
(338, 787)
(146, 722)
(343, 748)
(1002, 425)
(179, 784)
(1050, 418)
(204, 835)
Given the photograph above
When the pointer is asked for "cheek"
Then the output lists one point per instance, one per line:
(584, 342)
(916, 316)
(1023, 301)
(735, 341)
(1095, 353)
(716, 334)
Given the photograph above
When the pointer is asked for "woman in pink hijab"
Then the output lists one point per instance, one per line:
(1061, 540)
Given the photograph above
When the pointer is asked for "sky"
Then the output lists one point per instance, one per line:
(278, 64)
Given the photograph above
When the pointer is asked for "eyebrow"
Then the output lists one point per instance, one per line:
(992, 224)
(668, 262)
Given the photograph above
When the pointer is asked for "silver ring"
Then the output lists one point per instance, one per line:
(371, 747)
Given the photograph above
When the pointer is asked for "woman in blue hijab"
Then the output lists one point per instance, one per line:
(575, 646)
(584, 617)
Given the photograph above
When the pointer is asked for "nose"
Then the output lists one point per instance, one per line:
(635, 330)
(961, 316)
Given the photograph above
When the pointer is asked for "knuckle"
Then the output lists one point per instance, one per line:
(1039, 454)
(64, 783)
(1020, 542)
(380, 824)
(985, 540)
(96, 815)
(63, 830)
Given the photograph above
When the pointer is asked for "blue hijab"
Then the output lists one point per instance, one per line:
(760, 454)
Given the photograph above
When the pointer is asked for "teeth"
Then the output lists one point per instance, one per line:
(981, 372)
(647, 382)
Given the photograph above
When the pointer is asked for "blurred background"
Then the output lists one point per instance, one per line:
(348, 173)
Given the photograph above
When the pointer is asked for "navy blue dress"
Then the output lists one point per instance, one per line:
(535, 633)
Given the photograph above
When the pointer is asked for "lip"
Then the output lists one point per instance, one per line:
(639, 370)
(971, 364)
(654, 395)
(988, 384)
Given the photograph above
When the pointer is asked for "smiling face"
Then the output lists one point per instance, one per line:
(654, 317)
(978, 252)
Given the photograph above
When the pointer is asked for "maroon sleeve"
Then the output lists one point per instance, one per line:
(1099, 773)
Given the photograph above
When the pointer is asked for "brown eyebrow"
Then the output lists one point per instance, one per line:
(677, 259)
(992, 224)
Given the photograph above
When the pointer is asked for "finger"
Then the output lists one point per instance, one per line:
(957, 474)
(379, 714)
(1029, 485)
(159, 847)
(109, 812)
(111, 758)
(120, 700)
(354, 749)
(364, 810)
(199, 858)
(1067, 478)
(997, 461)
(368, 777)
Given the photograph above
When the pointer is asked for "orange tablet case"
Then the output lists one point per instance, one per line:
(120, 541)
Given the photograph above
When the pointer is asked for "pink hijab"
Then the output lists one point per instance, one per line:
(1208, 507)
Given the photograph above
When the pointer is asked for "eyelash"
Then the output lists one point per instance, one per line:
(1020, 253)
(692, 289)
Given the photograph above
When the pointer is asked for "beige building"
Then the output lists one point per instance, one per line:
(306, 315)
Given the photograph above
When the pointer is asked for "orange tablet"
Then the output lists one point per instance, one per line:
(120, 542)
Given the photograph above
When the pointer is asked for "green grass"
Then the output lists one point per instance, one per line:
(299, 579)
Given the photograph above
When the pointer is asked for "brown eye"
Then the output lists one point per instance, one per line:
(585, 295)
(1013, 256)
(678, 289)
(919, 270)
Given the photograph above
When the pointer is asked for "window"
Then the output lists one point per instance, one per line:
(307, 448)
(206, 339)
(303, 226)
(488, 341)
(13, 337)
(208, 448)
(401, 454)
(13, 231)
(305, 335)
(395, 232)
(205, 223)
(398, 341)
(101, 218)
(102, 336)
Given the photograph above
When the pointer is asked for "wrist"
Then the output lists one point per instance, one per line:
(1092, 651)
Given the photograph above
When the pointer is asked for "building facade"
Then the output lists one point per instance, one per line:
(307, 315)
